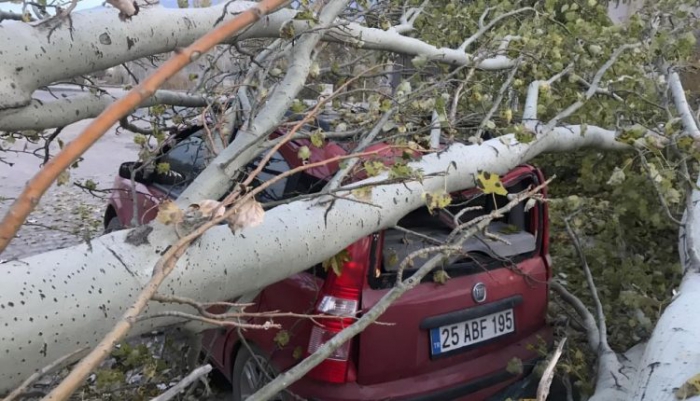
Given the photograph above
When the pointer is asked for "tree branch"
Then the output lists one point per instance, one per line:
(499, 98)
(260, 126)
(184, 26)
(676, 87)
(593, 87)
(38, 185)
(182, 384)
(366, 140)
(53, 366)
(60, 113)
(589, 324)
(289, 229)
(409, 18)
(9, 15)
(548, 375)
(485, 28)
(676, 334)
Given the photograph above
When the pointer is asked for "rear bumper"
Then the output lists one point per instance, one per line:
(455, 382)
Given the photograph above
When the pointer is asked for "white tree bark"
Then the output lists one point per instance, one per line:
(238, 153)
(672, 355)
(60, 113)
(30, 58)
(55, 302)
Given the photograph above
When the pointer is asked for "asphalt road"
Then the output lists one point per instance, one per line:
(66, 214)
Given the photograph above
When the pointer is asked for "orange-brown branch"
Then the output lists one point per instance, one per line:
(37, 186)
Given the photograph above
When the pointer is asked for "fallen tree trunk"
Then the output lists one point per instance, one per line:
(672, 355)
(55, 302)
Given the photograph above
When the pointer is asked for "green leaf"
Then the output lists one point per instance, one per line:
(304, 153)
(298, 106)
(419, 62)
(335, 68)
(306, 15)
(138, 139)
(373, 168)
(162, 168)
(437, 200)
(384, 23)
(287, 31)
(336, 262)
(509, 229)
(440, 277)
(364, 193)
(317, 138)
(401, 170)
(515, 366)
(281, 338)
(689, 389)
(157, 110)
(525, 136)
(393, 259)
(298, 353)
(63, 178)
(385, 105)
(617, 177)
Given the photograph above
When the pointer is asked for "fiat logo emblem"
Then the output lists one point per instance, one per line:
(479, 292)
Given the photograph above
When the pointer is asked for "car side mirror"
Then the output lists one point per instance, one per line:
(140, 175)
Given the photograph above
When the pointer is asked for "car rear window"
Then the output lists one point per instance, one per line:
(511, 238)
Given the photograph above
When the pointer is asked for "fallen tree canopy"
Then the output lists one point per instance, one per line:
(583, 82)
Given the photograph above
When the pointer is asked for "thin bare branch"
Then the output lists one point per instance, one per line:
(592, 90)
(490, 25)
(548, 375)
(497, 102)
(53, 366)
(182, 384)
(589, 323)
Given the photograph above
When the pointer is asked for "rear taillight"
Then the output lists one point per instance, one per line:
(341, 297)
(335, 368)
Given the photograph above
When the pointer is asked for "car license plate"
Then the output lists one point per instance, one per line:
(463, 334)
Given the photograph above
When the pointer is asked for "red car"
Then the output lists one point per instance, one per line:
(446, 340)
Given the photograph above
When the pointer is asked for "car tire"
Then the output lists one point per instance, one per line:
(251, 371)
(113, 225)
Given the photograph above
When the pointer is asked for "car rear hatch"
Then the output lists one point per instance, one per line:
(495, 298)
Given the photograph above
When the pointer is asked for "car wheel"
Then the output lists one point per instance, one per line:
(251, 371)
(113, 225)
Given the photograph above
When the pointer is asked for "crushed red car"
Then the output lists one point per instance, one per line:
(444, 340)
